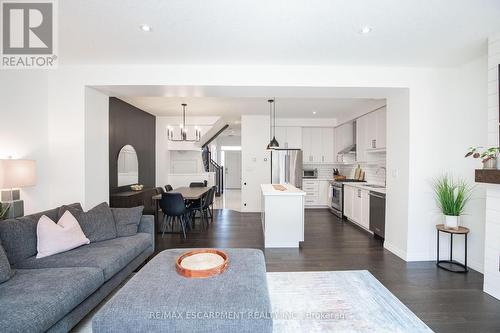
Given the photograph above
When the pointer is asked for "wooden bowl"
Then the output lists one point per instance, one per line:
(201, 271)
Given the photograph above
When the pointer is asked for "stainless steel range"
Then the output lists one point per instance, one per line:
(337, 195)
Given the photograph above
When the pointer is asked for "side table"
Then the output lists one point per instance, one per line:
(462, 268)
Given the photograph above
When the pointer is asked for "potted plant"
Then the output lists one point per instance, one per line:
(489, 155)
(452, 196)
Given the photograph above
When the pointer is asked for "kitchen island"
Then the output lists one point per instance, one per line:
(282, 215)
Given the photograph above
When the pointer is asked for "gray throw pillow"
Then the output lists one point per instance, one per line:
(74, 207)
(5, 271)
(97, 224)
(127, 220)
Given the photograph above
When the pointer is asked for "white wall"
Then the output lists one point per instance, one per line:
(431, 92)
(96, 147)
(398, 172)
(451, 120)
(24, 129)
(255, 161)
(492, 228)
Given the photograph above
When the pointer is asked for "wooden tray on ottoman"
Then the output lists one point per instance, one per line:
(201, 263)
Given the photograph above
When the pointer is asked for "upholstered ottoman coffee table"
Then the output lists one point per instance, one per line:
(158, 299)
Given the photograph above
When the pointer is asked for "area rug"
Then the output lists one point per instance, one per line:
(339, 301)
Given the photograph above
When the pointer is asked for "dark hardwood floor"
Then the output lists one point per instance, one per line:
(445, 301)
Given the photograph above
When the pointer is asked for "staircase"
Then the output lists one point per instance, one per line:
(212, 166)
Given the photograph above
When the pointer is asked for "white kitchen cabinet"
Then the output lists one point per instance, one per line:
(324, 187)
(357, 205)
(318, 145)
(294, 137)
(289, 137)
(307, 155)
(348, 201)
(381, 118)
(370, 134)
(327, 140)
(365, 209)
(316, 192)
(361, 141)
(375, 133)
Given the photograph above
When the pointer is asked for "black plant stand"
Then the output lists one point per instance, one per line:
(461, 268)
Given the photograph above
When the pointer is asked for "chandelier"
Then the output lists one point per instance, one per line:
(183, 136)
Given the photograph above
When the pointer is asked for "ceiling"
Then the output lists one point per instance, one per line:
(233, 108)
(285, 32)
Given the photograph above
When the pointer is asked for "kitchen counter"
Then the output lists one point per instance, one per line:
(268, 189)
(282, 216)
(365, 186)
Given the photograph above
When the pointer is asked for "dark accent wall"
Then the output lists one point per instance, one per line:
(129, 125)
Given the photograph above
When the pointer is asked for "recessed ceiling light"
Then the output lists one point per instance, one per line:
(145, 27)
(314, 112)
(365, 30)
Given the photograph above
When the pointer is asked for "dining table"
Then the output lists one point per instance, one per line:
(189, 193)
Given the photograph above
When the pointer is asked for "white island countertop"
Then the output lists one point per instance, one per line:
(268, 189)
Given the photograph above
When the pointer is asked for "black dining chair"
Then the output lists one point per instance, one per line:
(174, 209)
(203, 207)
(168, 188)
(210, 202)
(160, 190)
(197, 184)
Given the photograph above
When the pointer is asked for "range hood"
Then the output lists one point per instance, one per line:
(348, 150)
(351, 148)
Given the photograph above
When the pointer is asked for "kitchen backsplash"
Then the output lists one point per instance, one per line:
(373, 172)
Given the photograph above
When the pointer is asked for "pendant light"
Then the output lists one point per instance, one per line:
(273, 144)
(270, 101)
(183, 137)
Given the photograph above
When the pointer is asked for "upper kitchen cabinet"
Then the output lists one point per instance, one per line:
(343, 138)
(318, 145)
(289, 137)
(370, 134)
(327, 140)
(361, 141)
(375, 133)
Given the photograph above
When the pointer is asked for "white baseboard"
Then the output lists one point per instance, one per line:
(394, 249)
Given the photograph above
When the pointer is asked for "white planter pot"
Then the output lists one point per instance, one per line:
(492, 163)
(451, 222)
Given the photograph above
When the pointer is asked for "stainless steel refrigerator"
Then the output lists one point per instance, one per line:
(286, 167)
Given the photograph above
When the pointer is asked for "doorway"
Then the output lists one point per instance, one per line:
(232, 169)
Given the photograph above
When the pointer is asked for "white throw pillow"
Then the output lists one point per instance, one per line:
(58, 237)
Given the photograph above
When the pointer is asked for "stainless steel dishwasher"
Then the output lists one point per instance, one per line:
(377, 213)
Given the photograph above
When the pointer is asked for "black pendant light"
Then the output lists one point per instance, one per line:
(273, 144)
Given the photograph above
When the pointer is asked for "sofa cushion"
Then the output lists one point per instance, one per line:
(35, 299)
(5, 271)
(18, 235)
(110, 255)
(97, 224)
(127, 220)
(53, 238)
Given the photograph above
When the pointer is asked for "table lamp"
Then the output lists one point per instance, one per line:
(15, 174)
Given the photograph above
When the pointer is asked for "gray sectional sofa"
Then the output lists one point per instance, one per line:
(54, 293)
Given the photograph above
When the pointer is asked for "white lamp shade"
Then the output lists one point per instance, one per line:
(17, 173)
